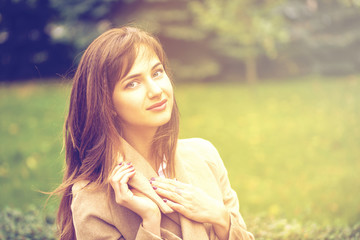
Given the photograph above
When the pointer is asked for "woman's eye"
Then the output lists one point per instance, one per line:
(158, 73)
(131, 84)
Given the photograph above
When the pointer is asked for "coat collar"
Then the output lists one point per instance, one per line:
(144, 172)
(140, 181)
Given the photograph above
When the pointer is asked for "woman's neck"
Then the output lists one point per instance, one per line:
(141, 140)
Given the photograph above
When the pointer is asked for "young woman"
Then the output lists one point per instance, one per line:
(127, 175)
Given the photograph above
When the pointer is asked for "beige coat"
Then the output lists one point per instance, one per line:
(97, 216)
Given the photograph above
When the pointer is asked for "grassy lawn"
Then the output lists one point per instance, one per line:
(291, 148)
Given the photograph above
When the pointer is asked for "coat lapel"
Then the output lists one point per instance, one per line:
(190, 229)
(141, 179)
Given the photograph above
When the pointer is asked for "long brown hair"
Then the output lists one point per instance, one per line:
(91, 130)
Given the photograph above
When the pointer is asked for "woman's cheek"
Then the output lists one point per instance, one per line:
(167, 87)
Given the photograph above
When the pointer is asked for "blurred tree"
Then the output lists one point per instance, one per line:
(240, 29)
(349, 3)
(26, 50)
(206, 39)
(38, 38)
(272, 38)
(325, 35)
(186, 44)
(243, 29)
(80, 21)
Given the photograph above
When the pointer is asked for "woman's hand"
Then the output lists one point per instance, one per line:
(193, 203)
(134, 200)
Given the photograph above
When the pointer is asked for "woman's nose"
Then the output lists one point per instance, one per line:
(154, 90)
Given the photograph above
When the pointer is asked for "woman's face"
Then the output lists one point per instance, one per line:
(144, 97)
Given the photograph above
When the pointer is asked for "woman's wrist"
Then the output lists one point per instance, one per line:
(221, 217)
(151, 222)
(221, 223)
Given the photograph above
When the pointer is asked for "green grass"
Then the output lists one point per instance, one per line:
(32, 116)
(291, 148)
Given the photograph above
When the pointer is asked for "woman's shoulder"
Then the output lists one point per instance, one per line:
(195, 143)
(87, 196)
(202, 148)
(87, 187)
(90, 207)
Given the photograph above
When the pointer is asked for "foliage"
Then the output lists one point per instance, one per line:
(18, 225)
(325, 37)
(186, 45)
(283, 229)
(265, 38)
(91, 10)
(80, 22)
(205, 40)
(25, 46)
(40, 38)
(242, 29)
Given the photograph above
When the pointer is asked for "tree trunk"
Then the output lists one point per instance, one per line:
(251, 70)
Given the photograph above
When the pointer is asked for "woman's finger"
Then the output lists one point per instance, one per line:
(121, 165)
(120, 172)
(119, 175)
(180, 189)
(171, 185)
(121, 189)
(123, 183)
(171, 194)
(169, 181)
(176, 206)
(111, 177)
(123, 177)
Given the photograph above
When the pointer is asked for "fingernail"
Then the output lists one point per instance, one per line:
(165, 200)
(128, 163)
(150, 182)
(120, 164)
(154, 187)
(152, 179)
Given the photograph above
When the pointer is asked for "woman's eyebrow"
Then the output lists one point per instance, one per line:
(139, 74)
(157, 64)
(130, 77)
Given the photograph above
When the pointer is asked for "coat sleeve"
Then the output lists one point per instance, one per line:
(165, 234)
(96, 228)
(238, 230)
(93, 221)
(90, 225)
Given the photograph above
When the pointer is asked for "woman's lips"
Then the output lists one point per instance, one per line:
(158, 106)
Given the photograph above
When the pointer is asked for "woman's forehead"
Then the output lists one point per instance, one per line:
(146, 54)
(145, 58)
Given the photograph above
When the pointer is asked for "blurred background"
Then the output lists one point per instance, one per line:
(273, 84)
(206, 40)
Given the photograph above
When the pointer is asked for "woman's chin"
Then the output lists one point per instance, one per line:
(162, 122)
